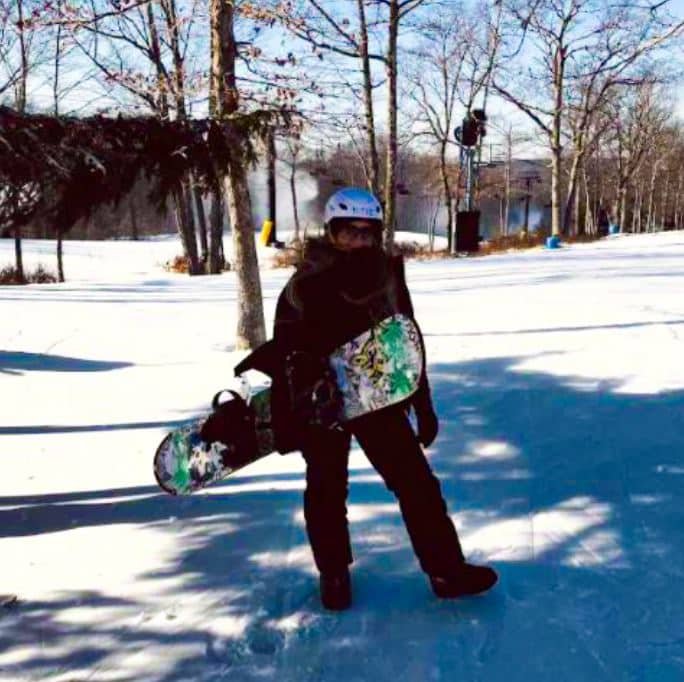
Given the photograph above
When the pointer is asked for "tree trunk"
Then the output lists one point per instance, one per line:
(21, 108)
(134, 219)
(555, 192)
(587, 226)
(60, 257)
(507, 187)
(216, 261)
(599, 183)
(391, 166)
(187, 235)
(621, 204)
(190, 208)
(663, 202)
(18, 256)
(575, 226)
(293, 192)
(431, 227)
(556, 144)
(155, 56)
(651, 194)
(638, 202)
(201, 224)
(57, 63)
(251, 327)
(178, 77)
(676, 199)
(374, 169)
(571, 197)
(190, 239)
(21, 26)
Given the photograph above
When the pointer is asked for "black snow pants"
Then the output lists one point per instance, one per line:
(391, 446)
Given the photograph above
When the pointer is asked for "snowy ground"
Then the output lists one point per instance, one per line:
(559, 380)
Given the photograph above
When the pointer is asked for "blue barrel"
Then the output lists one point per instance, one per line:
(614, 229)
(553, 242)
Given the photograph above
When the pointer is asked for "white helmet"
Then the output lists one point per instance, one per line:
(352, 202)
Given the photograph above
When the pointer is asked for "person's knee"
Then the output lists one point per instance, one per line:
(325, 486)
(417, 483)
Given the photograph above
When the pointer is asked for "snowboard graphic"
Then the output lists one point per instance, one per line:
(189, 458)
(376, 369)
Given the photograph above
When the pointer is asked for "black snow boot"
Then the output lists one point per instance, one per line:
(336, 591)
(466, 580)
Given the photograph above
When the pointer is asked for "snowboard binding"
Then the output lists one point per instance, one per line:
(232, 423)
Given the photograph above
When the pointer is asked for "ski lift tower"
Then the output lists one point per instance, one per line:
(468, 136)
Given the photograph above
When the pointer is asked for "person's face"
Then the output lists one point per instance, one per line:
(355, 234)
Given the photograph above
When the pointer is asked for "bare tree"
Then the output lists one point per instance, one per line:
(435, 72)
(142, 50)
(23, 48)
(635, 117)
(397, 13)
(580, 41)
(650, 186)
(343, 32)
(505, 178)
(291, 158)
(10, 67)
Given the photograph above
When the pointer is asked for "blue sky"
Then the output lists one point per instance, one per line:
(86, 99)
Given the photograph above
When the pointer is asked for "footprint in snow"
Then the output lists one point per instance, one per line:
(264, 640)
(259, 640)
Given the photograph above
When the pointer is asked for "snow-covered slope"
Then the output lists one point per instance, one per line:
(559, 380)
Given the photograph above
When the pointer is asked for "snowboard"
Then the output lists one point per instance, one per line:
(376, 369)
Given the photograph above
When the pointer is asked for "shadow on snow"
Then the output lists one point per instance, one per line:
(575, 495)
(17, 362)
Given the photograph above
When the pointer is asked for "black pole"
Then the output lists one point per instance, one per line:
(272, 187)
(527, 205)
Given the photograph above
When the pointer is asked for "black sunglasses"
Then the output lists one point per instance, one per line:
(366, 233)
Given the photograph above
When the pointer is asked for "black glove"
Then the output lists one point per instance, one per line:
(314, 396)
(428, 424)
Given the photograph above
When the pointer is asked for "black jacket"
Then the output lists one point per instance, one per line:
(329, 300)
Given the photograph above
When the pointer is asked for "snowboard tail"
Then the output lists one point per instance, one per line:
(233, 436)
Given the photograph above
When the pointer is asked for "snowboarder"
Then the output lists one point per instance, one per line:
(346, 284)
